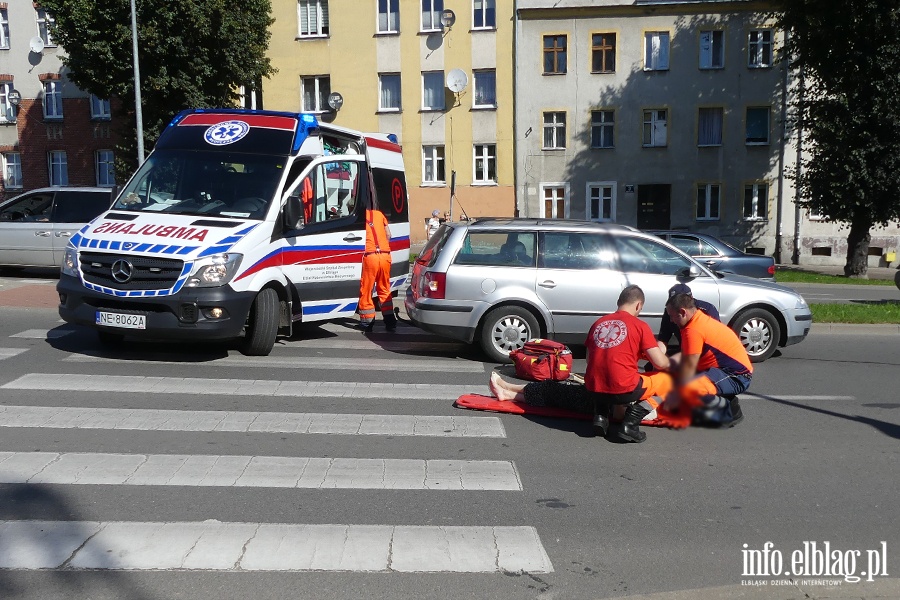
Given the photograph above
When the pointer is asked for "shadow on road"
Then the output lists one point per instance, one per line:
(889, 429)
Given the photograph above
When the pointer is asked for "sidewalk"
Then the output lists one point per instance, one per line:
(880, 589)
(887, 273)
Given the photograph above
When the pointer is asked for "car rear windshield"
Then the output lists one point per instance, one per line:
(434, 245)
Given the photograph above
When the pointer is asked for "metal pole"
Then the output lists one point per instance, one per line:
(139, 121)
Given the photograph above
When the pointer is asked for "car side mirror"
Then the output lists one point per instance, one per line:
(292, 216)
(691, 272)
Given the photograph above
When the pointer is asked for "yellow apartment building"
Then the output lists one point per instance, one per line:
(437, 73)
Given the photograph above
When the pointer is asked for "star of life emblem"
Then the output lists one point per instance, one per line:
(610, 334)
(226, 132)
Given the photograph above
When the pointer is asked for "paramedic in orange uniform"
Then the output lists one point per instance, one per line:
(306, 196)
(714, 367)
(376, 271)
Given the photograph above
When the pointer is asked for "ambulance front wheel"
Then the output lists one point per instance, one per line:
(262, 324)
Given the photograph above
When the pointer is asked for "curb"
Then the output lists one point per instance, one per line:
(858, 328)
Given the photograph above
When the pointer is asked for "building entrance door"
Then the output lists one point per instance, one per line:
(654, 206)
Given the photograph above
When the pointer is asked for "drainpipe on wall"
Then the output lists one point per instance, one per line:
(519, 198)
(800, 108)
(779, 206)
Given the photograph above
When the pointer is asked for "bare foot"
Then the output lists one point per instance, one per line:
(496, 386)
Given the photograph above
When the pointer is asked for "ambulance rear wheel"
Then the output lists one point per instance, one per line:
(262, 324)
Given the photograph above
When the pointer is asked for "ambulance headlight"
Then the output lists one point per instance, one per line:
(70, 262)
(215, 270)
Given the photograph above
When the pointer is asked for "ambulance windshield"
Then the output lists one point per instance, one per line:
(219, 184)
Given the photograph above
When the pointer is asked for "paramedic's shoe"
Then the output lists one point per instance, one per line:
(390, 321)
(366, 327)
(736, 414)
(601, 420)
(630, 429)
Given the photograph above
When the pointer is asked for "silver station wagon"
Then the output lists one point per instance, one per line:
(500, 282)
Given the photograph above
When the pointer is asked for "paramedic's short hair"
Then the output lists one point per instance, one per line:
(679, 301)
(630, 295)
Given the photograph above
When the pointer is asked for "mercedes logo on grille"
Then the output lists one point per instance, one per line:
(122, 270)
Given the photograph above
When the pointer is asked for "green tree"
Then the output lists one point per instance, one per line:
(846, 54)
(193, 54)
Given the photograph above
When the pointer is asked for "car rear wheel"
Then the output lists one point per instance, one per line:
(759, 332)
(507, 328)
(262, 325)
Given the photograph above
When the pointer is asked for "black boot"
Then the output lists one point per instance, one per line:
(601, 418)
(390, 321)
(631, 430)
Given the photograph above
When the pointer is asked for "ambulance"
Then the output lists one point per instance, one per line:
(239, 224)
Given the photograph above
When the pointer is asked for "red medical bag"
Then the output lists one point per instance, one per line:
(540, 360)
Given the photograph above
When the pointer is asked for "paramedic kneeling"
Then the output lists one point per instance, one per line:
(714, 367)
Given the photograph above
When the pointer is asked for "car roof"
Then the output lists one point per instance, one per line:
(551, 224)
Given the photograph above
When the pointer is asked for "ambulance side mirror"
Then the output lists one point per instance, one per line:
(292, 216)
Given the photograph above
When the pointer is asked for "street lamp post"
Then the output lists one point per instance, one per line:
(137, 87)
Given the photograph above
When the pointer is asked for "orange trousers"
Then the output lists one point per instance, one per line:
(657, 385)
(376, 273)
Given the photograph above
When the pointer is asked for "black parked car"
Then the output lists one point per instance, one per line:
(719, 255)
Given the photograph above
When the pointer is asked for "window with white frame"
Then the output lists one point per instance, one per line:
(815, 214)
(757, 125)
(12, 173)
(4, 28)
(312, 18)
(104, 166)
(710, 122)
(485, 88)
(433, 90)
(601, 201)
(756, 201)
(554, 130)
(315, 91)
(59, 169)
(708, 195)
(389, 92)
(656, 50)
(603, 123)
(555, 198)
(53, 106)
(431, 15)
(44, 23)
(7, 110)
(99, 108)
(484, 14)
(485, 166)
(655, 125)
(388, 16)
(759, 48)
(433, 164)
(712, 49)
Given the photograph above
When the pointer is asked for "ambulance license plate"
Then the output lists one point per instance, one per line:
(121, 320)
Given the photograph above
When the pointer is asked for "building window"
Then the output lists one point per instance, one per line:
(759, 48)
(756, 201)
(99, 108)
(709, 126)
(4, 29)
(388, 16)
(601, 201)
(554, 54)
(603, 53)
(431, 14)
(602, 128)
(315, 94)
(389, 92)
(485, 163)
(7, 110)
(485, 89)
(656, 51)
(712, 49)
(105, 167)
(53, 107)
(708, 201)
(59, 170)
(758, 125)
(485, 14)
(12, 174)
(312, 16)
(554, 130)
(555, 203)
(433, 90)
(655, 125)
(44, 22)
(433, 164)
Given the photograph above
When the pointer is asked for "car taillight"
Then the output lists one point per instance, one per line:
(772, 270)
(434, 285)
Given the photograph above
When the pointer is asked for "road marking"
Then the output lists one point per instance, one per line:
(230, 546)
(264, 422)
(43, 334)
(75, 468)
(10, 352)
(237, 387)
(350, 327)
(448, 365)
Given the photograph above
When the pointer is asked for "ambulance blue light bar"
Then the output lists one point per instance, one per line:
(305, 125)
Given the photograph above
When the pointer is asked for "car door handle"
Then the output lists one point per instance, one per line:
(42, 233)
(710, 263)
(352, 238)
(63, 234)
(548, 284)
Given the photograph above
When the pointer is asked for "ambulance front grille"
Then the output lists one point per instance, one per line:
(147, 272)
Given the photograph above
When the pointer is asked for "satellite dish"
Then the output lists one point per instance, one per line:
(335, 101)
(36, 44)
(457, 80)
(448, 18)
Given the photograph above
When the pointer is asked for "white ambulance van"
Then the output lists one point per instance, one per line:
(239, 224)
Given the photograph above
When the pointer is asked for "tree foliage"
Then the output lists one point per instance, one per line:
(846, 54)
(192, 53)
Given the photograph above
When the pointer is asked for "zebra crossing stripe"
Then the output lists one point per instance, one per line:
(236, 387)
(10, 352)
(257, 471)
(43, 334)
(234, 546)
(264, 422)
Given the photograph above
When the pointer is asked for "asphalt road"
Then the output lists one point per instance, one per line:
(815, 461)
